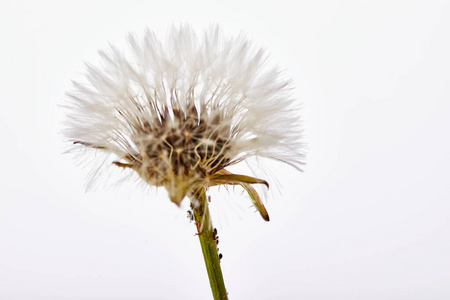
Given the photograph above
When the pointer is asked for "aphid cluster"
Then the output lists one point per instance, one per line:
(216, 239)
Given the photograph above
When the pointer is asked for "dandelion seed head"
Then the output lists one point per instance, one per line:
(178, 112)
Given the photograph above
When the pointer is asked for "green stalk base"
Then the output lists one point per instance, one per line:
(207, 239)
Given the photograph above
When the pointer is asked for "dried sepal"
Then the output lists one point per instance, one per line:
(256, 201)
(245, 182)
(234, 179)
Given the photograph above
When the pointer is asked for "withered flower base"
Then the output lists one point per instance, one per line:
(184, 152)
(179, 114)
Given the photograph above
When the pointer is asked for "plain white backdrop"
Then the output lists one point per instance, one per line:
(368, 219)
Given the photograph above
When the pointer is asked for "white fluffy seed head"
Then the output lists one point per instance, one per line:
(179, 111)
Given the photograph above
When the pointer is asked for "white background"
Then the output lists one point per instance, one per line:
(368, 219)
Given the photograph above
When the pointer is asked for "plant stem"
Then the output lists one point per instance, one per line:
(207, 239)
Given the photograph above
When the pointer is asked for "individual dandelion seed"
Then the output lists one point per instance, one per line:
(179, 112)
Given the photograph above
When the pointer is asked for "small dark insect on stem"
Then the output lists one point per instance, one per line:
(215, 236)
(190, 215)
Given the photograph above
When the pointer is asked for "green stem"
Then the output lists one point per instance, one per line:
(207, 239)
